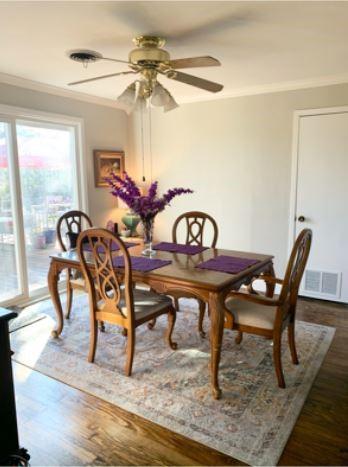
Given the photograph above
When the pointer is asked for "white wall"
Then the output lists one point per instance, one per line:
(105, 128)
(236, 155)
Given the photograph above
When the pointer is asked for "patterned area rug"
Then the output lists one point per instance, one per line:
(252, 421)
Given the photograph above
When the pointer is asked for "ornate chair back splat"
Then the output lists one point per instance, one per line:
(72, 222)
(295, 268)
(111, 296)
(195, 224)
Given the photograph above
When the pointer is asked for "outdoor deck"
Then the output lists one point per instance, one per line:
(38, 263)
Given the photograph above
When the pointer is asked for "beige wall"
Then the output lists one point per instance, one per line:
(236, 155)
(105, 128)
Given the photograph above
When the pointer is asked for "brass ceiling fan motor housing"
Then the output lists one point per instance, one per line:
(148, 52)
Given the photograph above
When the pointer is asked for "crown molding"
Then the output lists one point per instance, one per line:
(273, 88)
(57, 91)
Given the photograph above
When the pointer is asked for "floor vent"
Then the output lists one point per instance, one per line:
(322, 283)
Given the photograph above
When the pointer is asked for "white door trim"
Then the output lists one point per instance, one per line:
(294, 161)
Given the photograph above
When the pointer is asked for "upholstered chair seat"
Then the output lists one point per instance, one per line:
(145, 303)
(251, 314)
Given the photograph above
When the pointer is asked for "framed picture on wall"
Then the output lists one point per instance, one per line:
(106, 163)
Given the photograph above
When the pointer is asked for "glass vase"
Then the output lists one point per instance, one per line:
(148, 236)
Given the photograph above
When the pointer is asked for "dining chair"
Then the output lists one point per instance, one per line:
(69, 226)
(112, 297)
(269, 316)
(195, 223)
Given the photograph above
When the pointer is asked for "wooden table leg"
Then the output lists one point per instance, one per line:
(270, 287)
(216, 334)
(53, 279)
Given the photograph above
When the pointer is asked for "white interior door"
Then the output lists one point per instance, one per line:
(322, 203)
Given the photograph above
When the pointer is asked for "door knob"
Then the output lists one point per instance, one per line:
(301, 218)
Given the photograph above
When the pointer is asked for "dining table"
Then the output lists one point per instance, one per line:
(182, 274)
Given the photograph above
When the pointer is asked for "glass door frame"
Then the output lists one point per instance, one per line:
(11, 116)
(18, 231)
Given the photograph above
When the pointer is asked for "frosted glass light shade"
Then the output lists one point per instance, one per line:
(171, 105)
(160, 96)
(128, 96)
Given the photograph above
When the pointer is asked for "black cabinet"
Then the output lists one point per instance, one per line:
(10, 452)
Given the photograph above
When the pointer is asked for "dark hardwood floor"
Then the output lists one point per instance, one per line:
(60, 425)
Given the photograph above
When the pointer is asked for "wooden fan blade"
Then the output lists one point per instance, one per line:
(101, 77)
(194, 62)
(197, 82)
(114, 60)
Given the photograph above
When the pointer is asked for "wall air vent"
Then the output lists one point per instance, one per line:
(322, 284)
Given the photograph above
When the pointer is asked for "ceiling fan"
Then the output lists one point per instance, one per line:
(149, 60)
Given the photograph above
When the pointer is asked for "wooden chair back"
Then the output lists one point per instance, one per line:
(110, 294)
(71, 221)
(195, 224)
(295, 268)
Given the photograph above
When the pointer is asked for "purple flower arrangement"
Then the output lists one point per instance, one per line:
(146, 206)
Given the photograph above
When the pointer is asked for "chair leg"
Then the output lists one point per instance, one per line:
(93, 340)
(69, 295)
(171, 324)
(291, 338)
(277, 358)
(130, 351)
(176, 304)
(201, 305)
(239, 337)
(151, 324)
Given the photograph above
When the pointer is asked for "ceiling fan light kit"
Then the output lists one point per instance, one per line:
(128, 96)
(149, 60)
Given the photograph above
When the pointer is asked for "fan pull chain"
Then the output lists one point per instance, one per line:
(142, 140)
(150, 141)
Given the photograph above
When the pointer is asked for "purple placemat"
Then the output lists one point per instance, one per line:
(229, 264)
(141, 263)
(179, 248)
(114, 247)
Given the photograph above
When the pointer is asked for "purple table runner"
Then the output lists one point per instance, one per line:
(179, 248)
(140, 263)
(228, 264)
(114, 247)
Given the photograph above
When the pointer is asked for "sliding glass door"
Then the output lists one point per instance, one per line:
(46, 157)
(39, 181)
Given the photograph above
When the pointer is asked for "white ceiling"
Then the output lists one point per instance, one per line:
(259, 43)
